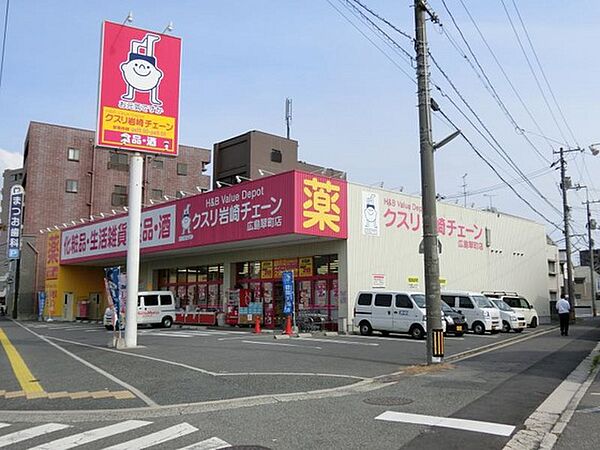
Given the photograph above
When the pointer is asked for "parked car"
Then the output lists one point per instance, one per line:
(455, 322)
(480, 313)
(510, 319)
(154, 308)
(519, 304)
(391, 312)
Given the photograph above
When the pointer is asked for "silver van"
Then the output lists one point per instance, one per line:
(480, 313)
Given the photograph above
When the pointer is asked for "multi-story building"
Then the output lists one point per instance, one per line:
(68, 179)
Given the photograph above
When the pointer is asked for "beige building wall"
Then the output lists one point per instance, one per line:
(510, 256)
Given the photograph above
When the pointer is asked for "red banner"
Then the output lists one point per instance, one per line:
(138, 101)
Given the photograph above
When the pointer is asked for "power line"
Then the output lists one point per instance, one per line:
(543, 73)
(4, 34)
(384, 20)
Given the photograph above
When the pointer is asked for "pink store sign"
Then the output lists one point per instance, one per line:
(406, 216)
(288, 203)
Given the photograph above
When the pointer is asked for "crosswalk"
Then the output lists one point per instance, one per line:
(109, 437)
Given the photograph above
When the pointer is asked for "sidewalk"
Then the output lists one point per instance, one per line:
(582, 430)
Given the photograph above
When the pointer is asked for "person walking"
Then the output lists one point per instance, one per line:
(564, 309)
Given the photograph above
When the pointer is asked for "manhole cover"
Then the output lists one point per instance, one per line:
(388, 401)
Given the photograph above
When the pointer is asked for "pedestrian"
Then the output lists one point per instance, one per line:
(563, 308)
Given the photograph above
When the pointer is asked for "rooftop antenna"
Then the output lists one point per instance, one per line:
(464, 186)
(288, 115)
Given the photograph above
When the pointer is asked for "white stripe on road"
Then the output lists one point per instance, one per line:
(30, 433)
(282, 344)
(233, 338)
(96, 329)
(91, 435)
(181, 335)
(498, 429)
(391, 339)
(159, 437)
(333, 341)
(213, 443)
(2, 425)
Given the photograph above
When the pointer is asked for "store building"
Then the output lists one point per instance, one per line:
(337, 237)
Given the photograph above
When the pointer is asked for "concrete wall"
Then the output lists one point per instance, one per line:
(513, 258)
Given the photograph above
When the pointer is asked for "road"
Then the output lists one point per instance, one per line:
(214, 388)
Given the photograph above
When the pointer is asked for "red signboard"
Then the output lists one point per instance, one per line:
(284, 204)
(138, 101)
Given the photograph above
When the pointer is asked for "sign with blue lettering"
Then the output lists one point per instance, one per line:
(287, 279)
(41, 303)
(15, 221)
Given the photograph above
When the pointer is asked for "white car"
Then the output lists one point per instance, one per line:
(480, 313)
(519, 304)
(154, 308)
(510, 319)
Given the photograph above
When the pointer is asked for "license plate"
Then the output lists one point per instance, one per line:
(458, 327)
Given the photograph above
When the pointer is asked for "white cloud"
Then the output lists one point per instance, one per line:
(10, 160)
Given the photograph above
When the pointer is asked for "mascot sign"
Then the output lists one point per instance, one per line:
(138, 101)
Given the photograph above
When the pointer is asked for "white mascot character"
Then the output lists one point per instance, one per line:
(140, 71)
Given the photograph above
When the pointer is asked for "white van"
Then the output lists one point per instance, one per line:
(519, 304)
(154, 308)
(481, 315)
(510, 319)
(391, 312)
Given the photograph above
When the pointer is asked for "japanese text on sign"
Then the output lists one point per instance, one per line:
(15, 221)
(320, 207)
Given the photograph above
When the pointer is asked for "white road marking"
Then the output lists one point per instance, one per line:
(334, 341)
(147, 400)
(282, 344)
(30, 433)
(159, 437)
(595, 393)
(213, 443)
(497, 429)
(91, 435)
(96, 329)
(2, 425)
(233, 338)
(181, 335)
(390, 339)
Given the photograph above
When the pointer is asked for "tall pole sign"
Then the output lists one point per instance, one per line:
(15, 221)
(138, 111)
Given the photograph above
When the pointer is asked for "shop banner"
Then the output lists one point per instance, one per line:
(285, 204)
(52, 255)
(266, 270)
(138, 101)
(305, 268)
(282, 265)
(15, 221)
(113, 287)
(41, 304)
(287, 279)
(110, 236)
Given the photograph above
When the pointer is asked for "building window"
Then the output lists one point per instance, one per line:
(156, 194)
(551, 267)
(276, 156)
(118, 161)
(158, 164)
(182, 169)
(119, 196)
(73, 154)
(71, 186)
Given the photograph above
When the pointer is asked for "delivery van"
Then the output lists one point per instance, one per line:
(154, 308)
(391, 312)
(480, 313)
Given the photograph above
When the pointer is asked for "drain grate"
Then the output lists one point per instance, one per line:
(388, 401)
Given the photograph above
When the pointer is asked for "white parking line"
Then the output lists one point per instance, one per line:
(388, 339)
(497, 429)
(334, 341)
(180, 335)
(282, 344)
(159, 437)
(213, 443)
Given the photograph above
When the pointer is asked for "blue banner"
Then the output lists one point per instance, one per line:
(15, 221)
(113, 276)
(287, 278)
(41, 303)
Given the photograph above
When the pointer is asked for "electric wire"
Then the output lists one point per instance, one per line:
(384, 20)
(4, 36)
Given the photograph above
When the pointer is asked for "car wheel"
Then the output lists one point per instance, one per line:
(459, 334)
(167, 322)
(417, 332)
(534, 323)
(478, 328)
(365, 328)
(505, 326)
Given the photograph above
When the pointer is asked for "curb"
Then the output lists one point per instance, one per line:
(544, 426)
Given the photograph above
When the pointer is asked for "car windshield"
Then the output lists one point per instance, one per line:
(501, 305)
(419, 300)
(446, 308)
(483, 302)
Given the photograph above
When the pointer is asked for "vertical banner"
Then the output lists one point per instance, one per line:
(113, 288)
(15, 221)
(41, 304)
(138, 101)
(287, 279)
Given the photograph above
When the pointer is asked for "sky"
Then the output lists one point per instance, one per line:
(354, 108)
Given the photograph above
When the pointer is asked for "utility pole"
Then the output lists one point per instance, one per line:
(435, 335)
(565, 185)
(591, 225)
